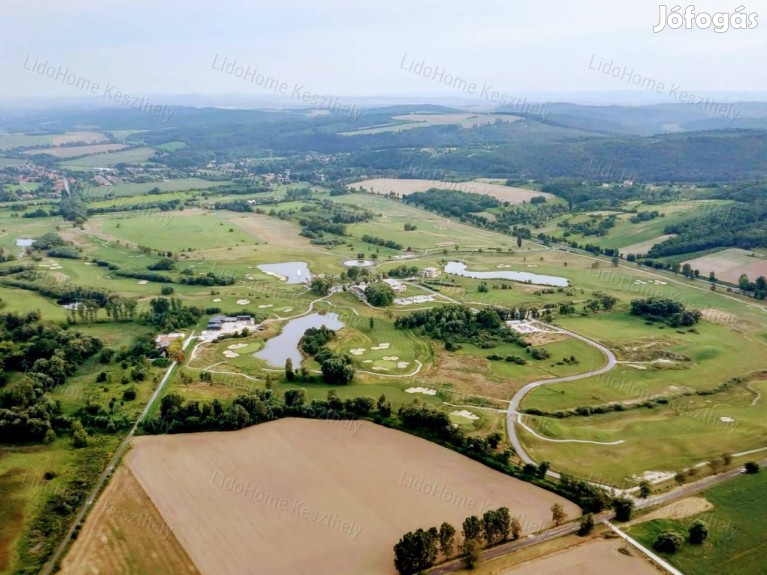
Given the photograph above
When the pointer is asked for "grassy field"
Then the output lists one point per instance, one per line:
(132, 156)
(737, 531)
(625, 233)
(175, 185)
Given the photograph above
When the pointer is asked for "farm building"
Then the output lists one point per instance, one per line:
(430, 273)
(395, 285)
(162, 341)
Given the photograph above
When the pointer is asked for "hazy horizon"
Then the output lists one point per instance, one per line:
(396, 50)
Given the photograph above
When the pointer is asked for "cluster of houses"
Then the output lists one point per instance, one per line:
(221, 322)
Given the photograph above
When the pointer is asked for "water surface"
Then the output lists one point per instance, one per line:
(278, 349)
(459, 269)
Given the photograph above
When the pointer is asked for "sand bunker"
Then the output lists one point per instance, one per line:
(216, 300)
(377, 368)
(264, 305)
(726, 419)
(390, 358)
(465, 413)
(238, 345)
(142, 282)
(381, 346)
(231, 354)
(368, 361)
(403, 364)
(243, 301)
(357, 351)
(424, 390)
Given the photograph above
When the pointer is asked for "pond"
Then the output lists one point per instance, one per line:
(459, 268)
(24, 242)
(291, 272)
(284, 346)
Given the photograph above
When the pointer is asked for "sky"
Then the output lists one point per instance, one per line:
(370, 48)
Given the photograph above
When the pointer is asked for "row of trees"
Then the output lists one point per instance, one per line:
(420, 549)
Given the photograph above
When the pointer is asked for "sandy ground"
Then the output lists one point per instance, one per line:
(406, 187)
(125, 534)
(728, 265)
(595, 557)
(644, 247)
(335, 496)
(678, 510)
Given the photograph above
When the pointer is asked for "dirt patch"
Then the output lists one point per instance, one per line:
(469, 375)
(596, 557)
(124, 533)
(644, 247)
(686, 507)
(648, 350)
(331, 495)
(544, 337)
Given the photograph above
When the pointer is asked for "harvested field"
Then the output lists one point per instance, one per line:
(596, 557)
(410, 121)
(75, 151)
(644, 247)
(334, 495)
(407, 187)
(124, 533)
(728, 265)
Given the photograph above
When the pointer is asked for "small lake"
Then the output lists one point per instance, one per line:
(291, 272)
(459, 269)
(278, 349)
(24, 243)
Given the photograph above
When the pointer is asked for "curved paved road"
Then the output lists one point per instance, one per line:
(512, 413)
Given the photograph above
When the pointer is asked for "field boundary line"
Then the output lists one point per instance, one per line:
(530, 430)
(663, 564)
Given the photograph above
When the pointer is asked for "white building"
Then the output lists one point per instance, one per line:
(430, 273)
(395, 285)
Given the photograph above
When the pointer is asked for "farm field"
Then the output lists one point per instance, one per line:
(131, 156)
(9, 141)
(287, 498)
(174, 185)
(74, 151)
(124, 533)
(594, 557)
(730, 264)
(736, 528)
(404, 187)
(434, 231)
(411, 121)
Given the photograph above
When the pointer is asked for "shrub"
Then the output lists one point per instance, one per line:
(668, 542)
